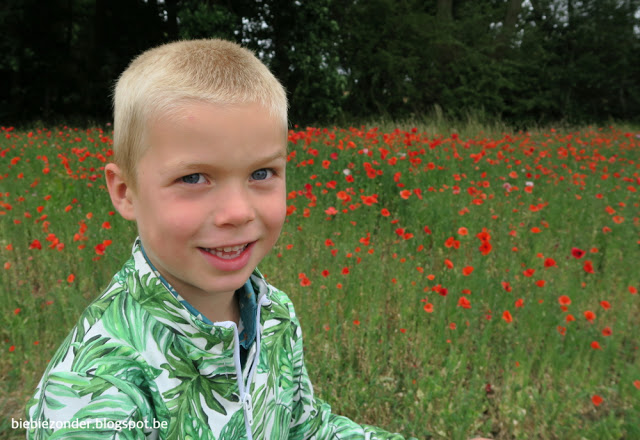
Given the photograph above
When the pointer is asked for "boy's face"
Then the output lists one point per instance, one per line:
(210, 196)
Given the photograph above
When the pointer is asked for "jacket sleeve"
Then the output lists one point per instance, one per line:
(312, 418)
(70, 405)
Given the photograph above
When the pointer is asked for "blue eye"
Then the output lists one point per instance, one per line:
(261, 174)
(192, 178)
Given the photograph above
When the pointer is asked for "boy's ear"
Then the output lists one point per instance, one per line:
(120, 191)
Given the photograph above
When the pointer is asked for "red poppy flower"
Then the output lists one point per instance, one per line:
(466, 271)
(596, 345)
(483, 235)
(607, 331)
(369, 200)
(570, 318)
(452, 243)
(588, 267)
(596, 400)
(506, 315)
(464, 303)
(100, 247)
(485, 248)
(605, 305)
(549, 262)
(564, 300)
(577, 253)
(305, 282)
(589, 316)
(331, 211)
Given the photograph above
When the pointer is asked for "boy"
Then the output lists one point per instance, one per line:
(189, 340)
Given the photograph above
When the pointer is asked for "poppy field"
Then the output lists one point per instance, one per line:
(449, 284)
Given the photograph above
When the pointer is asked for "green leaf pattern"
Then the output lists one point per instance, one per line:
(138, 356)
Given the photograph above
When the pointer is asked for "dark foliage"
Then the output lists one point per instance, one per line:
(535, 62)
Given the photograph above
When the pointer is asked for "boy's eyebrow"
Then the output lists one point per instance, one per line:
(281, 154)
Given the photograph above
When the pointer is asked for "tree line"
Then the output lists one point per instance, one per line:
(523, 61)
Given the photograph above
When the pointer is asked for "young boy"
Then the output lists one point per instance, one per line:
(189, 341)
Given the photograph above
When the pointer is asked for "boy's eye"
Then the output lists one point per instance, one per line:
(193, 178)
(261, 174)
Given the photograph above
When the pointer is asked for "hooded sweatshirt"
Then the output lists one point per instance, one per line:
(141, 363)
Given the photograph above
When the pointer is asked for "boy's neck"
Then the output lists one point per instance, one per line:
(217, 308)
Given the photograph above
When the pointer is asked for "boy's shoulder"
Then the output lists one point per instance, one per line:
(137, 310)
(116, 301)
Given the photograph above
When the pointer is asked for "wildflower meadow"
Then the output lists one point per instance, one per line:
(450, 284)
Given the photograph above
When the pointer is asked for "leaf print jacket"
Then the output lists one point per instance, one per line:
(140, 365)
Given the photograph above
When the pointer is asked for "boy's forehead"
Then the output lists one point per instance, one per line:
(195, 121)
(194, 113)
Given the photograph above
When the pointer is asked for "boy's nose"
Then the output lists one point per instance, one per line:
(233, 207)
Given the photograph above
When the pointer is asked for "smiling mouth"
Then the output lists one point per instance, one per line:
(227, 252)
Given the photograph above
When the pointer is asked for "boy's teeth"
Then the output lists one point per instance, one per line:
(228, 251)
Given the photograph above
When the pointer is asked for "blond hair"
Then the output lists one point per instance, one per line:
(161, 80)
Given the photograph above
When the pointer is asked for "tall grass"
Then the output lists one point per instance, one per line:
(436, 271)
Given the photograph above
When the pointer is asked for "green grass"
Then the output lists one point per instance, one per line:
(372, 350)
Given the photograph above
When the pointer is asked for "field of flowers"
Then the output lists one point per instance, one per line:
(448, 284)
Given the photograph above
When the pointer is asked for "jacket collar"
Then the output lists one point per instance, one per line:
(164, 302)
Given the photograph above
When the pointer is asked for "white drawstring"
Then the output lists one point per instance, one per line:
(245, 389)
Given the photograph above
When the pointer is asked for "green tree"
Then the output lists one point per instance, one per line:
(299, 42)
(208, 19)
(536, 61)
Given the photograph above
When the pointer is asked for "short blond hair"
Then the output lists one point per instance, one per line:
(161, 80)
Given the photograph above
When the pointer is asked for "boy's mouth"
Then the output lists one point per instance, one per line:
(227, 252)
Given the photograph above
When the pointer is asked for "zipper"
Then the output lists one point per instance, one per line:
(244, 388)
(247, 405)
